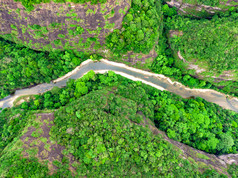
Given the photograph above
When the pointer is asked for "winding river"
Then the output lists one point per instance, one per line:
(156, 80)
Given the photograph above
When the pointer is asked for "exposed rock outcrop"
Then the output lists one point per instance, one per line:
(61, 25)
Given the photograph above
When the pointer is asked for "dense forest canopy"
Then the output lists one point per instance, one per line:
(195, 122)
(202, 49)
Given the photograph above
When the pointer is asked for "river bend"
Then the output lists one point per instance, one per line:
(156, 80)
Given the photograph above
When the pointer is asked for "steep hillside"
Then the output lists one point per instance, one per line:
(29, 4)
(101, 133)
(61, 25)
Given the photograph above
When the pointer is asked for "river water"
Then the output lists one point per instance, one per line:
(156, 80)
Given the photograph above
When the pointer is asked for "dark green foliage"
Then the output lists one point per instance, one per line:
(106, 143)
(168, 12)
(140, 28)
(197, 123)
(21, 67)
(165, 63)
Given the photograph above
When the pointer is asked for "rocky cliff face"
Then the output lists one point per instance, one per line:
(61, 26)
(199, 10)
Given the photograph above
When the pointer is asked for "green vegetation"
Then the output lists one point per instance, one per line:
(21, 67)
(195, 122)
(233, 170)
(105, 125)
(209, 52)
(213, 42)
(96, 126)
(167, 65)
(140, 30)
(68, 30)
(206, 8)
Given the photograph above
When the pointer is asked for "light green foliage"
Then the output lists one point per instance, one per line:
(199, 44)
(80, 89)
(114, 146)
(129, 18)
(226, 143)
(13, 27)
(233, 170)
(140, 35)
(188, 121)
(13, 165)
(168, 11)
(163, 65)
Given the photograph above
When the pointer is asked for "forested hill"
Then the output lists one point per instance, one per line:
(105, 125)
